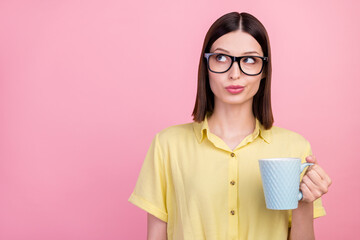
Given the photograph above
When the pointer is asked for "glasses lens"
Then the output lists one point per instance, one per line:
(221, 63)
(251, 65)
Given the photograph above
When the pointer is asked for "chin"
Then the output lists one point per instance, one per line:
(233, 102)
(236, 100)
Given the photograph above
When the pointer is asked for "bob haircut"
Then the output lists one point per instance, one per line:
(262, 99)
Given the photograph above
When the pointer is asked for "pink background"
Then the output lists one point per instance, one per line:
(85, 85)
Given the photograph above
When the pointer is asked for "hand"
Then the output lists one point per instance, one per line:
(315, 182)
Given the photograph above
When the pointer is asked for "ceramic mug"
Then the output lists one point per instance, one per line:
(281, 182)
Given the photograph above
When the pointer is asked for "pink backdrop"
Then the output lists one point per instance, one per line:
(85, 85)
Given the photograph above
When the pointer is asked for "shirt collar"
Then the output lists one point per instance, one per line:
(202, 128)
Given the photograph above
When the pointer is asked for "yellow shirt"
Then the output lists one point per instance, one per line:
(192, 180)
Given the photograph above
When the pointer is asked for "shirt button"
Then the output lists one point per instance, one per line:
(232, 182)
(232, 154)
(232, 212)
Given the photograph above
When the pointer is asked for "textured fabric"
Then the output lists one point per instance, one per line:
(193, 181)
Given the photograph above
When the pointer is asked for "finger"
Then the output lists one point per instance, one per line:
(320, 183)
(322, 173)
(308, 168)
(328, 179)
(311, 159)
(306, 179)
(315, 189)
(314, 176)
(315, 159)
(307, 194)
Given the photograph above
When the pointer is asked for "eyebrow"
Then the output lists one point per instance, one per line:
(229, 52)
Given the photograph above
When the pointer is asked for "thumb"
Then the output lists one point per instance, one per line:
(311, 159)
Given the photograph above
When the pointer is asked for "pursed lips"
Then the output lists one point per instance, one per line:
(234, 87)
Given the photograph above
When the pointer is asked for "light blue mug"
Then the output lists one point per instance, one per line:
(281, 182)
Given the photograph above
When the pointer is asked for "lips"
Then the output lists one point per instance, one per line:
(234, 87)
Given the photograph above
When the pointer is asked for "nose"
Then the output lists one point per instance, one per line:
(235, 71)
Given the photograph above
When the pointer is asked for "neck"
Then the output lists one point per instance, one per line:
(231, 121)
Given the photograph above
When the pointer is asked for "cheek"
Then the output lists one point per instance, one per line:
(255, 87)
(215, 84)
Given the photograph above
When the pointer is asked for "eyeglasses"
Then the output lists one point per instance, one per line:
(220, 63)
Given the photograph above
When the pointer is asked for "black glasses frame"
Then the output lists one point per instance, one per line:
(237, 59)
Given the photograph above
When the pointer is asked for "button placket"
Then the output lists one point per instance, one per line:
(233, 196)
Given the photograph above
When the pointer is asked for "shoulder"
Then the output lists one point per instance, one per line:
(281, 134)
(178, 132)
(292, 142)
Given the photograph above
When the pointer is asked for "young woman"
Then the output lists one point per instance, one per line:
(201, 180)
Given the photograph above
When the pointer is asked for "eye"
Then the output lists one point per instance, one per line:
(221, 58)
(249, 60)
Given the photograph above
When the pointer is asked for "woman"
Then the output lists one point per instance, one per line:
(201, 180)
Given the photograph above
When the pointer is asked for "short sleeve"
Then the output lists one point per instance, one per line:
(319, 210)
(150, 190)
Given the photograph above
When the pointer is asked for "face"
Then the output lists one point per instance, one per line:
(235, 43)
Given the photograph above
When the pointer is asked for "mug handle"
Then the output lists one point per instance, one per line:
(302, 167)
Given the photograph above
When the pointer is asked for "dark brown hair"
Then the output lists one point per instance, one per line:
(262, 100)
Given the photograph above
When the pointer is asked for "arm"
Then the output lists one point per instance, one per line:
(315, 183)
(156, 228)
(302, 226)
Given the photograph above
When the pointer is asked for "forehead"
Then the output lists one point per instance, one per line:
(237, 42)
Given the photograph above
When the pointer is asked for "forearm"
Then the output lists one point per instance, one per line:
(156, 228)
(302, 226)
